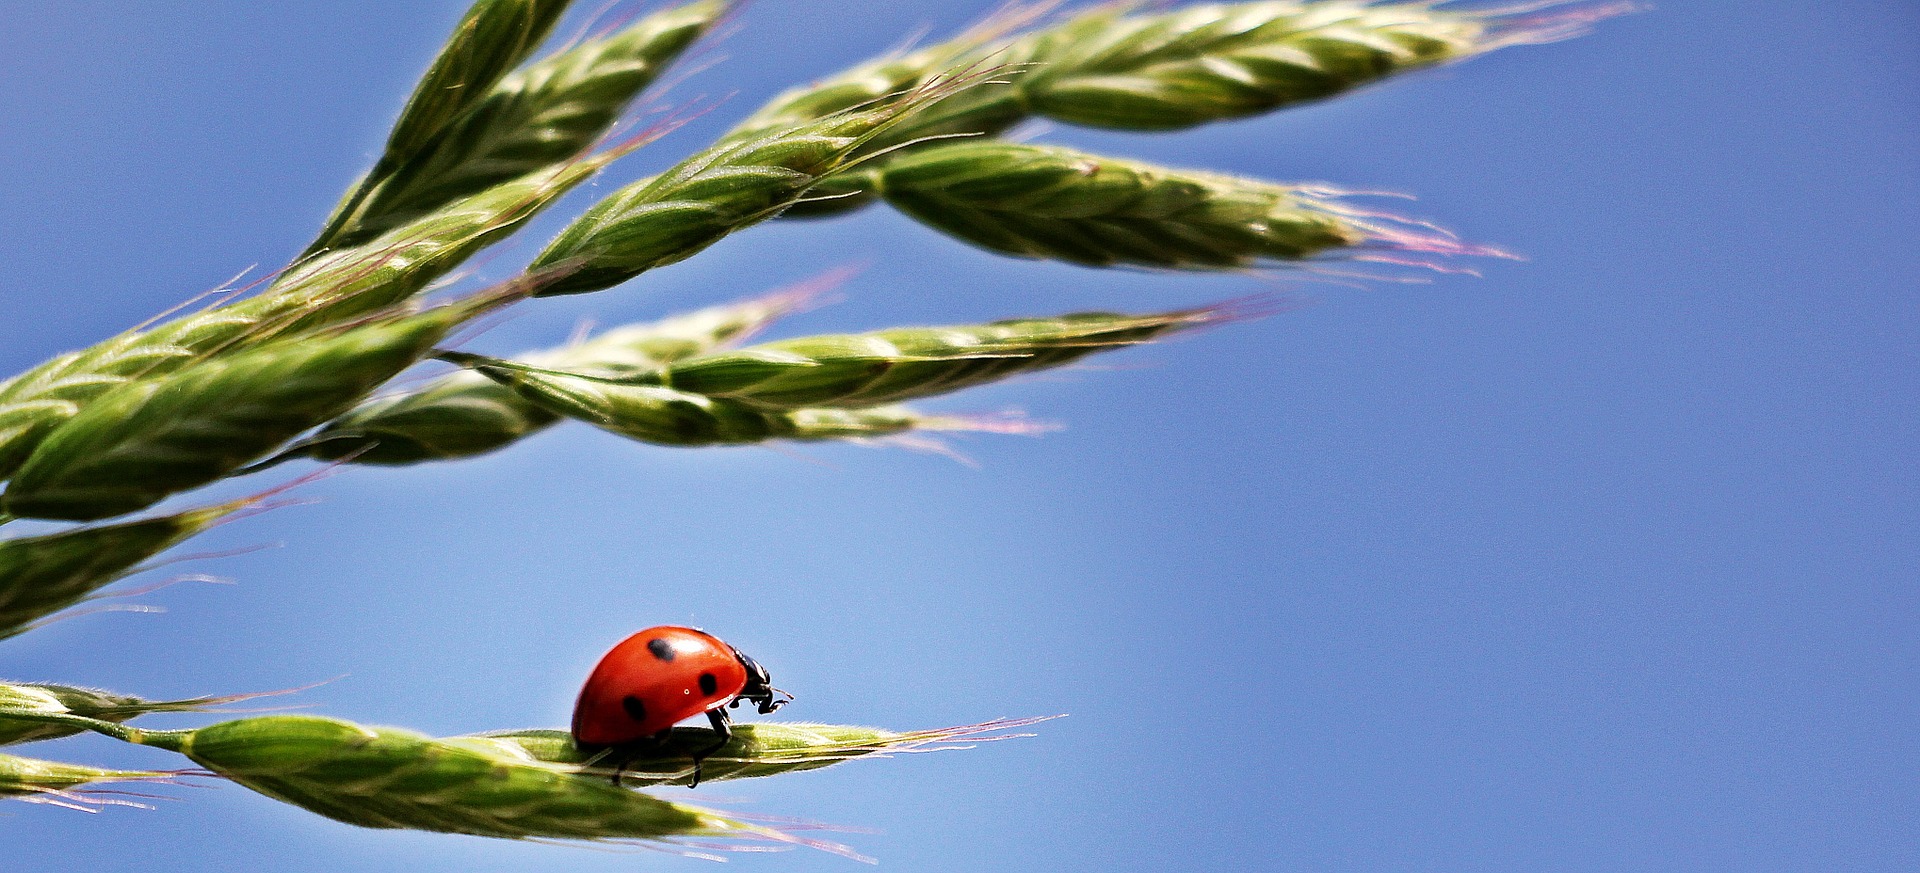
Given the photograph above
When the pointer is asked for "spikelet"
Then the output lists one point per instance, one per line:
(537, 117)
(62, 784)
(892, 366)
(755, 750)
(1063, 204)
(493, 38)
(671, 217)
(465, 414)
(93, 703)
(1116, 66)
(381, 777)
(42, 575)
(663, 416)
(159, 436)
(324, 290)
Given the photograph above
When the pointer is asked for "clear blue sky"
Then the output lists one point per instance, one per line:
(1605, 561)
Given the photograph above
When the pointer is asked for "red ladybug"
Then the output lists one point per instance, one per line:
(660, 676)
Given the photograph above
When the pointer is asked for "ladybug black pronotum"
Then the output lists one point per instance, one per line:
(661, 676)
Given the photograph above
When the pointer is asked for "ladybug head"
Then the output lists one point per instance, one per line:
(759, 688)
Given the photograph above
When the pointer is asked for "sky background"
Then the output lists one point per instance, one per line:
(1605, 561)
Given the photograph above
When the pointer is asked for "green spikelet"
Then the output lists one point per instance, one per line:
(43, 697)
(992, 106)
(755, 750)
(158, 436)
(1117, 67)
(668, 218)
(1212, 62)
(544, 114)
(393, 778)
(337, 286)
(890, 366)
(42, 575)
(493, 38)
(1049, 202)
(328, 289)
(54, 782)
(666, 417)
(465, 414)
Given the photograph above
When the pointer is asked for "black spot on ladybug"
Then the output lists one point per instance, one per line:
(661, 649)
(635, 707)
(708, 684)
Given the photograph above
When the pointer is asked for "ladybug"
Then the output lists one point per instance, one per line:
(661, 676)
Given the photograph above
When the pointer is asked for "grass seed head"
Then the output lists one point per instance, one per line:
(733, 185)
(491, 39)
(1211, 62)
(891, 366)
(542, 115)
(93, 703)
(155, 437)
(324, 290)
(1116, 66)
(337, 286)
(755, 750)
(54, 782)
(465, 414)
(393, 778)
(666, 417)
(42, 575)
(1062, 204)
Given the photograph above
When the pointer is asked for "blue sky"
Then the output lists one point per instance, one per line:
(1603, 561)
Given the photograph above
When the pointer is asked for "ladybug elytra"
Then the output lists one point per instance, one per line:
(661, 676)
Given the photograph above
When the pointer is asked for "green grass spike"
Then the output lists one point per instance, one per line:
(465, 414)
(757, 749)
(92, 703)
(393, 778)
(155, 437)
(325, 290)
(61, 784)
(42, 575)
(1116, 66)
(493, 38)
(1062, 204)
(733, 185)
(891, 366)
(663, 416)
(544, 114)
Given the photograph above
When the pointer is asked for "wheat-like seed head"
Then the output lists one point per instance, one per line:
(55, 782)
(493, 38)
(42, 575)
(542, 115)
(663, 416)
(891, 366)
(1116, 66)
(1059, 203)
(755, 750)
(155, 437)
(733, 185)
(391, 778)
(465, 414)
(323, 290)
(91, 703)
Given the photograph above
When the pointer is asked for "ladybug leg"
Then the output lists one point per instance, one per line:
(723, 726)
(619, 761)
